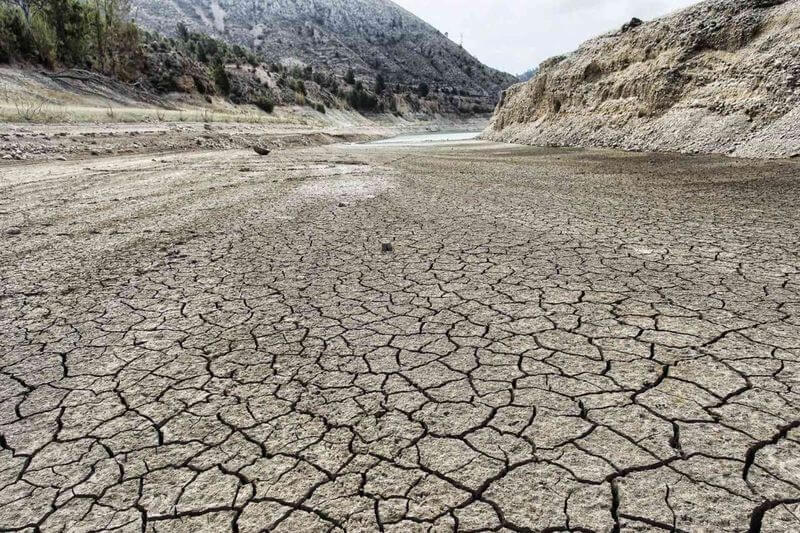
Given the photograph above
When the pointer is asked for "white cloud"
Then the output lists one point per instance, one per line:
(515, 35)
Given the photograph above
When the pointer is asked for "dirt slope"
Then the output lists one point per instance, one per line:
(720, 77)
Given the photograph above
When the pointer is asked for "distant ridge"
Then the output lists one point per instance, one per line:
(370, 37)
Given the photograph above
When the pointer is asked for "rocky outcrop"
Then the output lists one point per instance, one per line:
(720, 77)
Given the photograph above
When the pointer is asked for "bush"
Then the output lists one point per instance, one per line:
(362, 100)
(350, 77)
(321, 108)
(423, 90)
(265, 104)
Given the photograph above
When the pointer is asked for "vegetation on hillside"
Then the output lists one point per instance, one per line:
(359, 40)
(95, 35)
(100, 36)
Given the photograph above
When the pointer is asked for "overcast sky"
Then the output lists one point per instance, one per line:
(515, 35)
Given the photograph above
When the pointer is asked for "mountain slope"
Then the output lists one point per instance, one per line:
(722, 76)
(369, 36)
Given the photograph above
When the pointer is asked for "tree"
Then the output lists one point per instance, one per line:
(380, 84)
(221, 79)
(423, 90)
(68, 19)
(350, 77)
(27, 6)
(116, 49)
(183, 32)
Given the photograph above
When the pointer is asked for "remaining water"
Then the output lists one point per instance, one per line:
(430, 138)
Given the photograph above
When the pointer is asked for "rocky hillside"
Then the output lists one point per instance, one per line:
(719, 77)
(370, 37)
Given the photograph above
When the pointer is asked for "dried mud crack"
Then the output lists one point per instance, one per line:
(559, 340)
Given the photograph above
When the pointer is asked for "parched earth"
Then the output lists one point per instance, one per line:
(560, 341)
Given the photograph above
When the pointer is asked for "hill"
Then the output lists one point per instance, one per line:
(369, 37)
(722, 76)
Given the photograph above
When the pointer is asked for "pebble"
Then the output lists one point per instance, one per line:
(13, 231)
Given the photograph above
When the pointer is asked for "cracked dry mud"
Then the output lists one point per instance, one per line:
(561, 340)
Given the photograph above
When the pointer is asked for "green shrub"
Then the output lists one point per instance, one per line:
(265, 104)
(321, 108)
(362, 100)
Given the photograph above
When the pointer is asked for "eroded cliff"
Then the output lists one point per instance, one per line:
(720, 77)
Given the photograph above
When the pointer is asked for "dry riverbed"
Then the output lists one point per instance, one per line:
(559, 340)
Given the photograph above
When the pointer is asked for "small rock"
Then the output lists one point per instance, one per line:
(13, 231)
(634, 23)
(342, 204)
(7, 157)
(94, 153)
(260, 150)
(61, 158)
(387, 247)
(245, 169)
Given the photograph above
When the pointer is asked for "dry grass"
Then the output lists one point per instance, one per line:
(31, 111)
(24, 98)
(17, 109)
